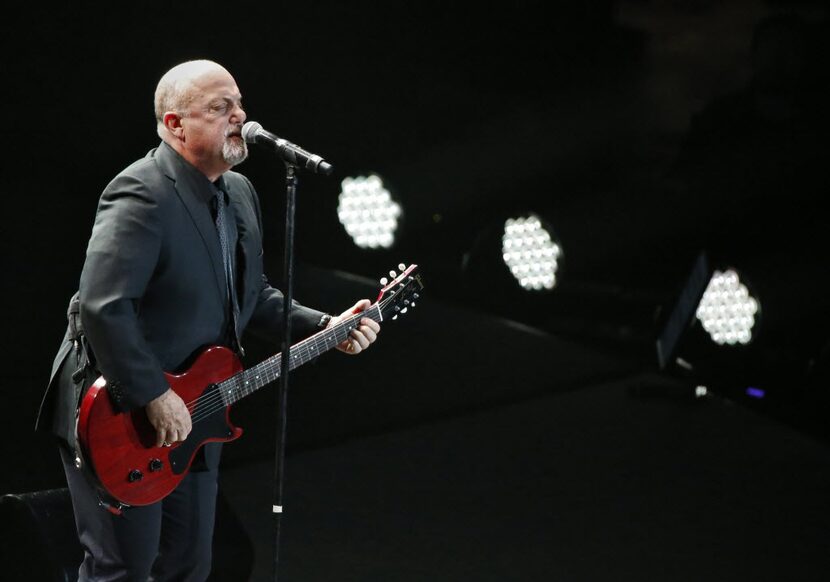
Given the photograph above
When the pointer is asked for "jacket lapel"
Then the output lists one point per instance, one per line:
(189, 184)
(242, 260)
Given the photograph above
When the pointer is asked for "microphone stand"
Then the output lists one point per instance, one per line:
(282, 391)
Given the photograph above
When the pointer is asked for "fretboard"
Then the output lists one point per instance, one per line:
(249, 381)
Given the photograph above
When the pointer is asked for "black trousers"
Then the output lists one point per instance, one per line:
(167, 541)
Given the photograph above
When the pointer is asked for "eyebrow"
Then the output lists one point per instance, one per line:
(226, 100)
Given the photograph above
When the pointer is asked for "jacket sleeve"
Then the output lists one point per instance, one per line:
(267, 319)
(121, 257)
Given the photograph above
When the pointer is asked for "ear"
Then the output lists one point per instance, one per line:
(173, 123)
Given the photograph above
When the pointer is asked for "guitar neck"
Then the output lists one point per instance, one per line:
(249, 381)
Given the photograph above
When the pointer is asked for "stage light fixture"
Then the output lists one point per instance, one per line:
(367, 212)
(727, 311)
(714, 318)
(530, 252)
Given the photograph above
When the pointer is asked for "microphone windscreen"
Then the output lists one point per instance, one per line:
(250, 131)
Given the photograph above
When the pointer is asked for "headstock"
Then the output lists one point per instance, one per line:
(401, 293)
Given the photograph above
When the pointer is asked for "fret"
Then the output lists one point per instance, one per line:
(249, 381)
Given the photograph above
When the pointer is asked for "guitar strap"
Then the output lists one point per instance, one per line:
(85, 371)
(83, 352)
(82, 378)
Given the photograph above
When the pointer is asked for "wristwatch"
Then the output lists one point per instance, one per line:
(324, 321)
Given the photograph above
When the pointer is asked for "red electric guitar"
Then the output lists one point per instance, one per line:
(120, 447)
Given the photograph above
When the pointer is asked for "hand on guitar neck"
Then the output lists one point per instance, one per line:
(360, 337)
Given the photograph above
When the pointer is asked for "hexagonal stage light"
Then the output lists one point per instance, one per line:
(727, 311)
(367, 212)
(531, 252)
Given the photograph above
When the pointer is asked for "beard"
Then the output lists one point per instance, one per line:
(234, 151)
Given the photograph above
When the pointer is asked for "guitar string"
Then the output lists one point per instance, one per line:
(233, 388)
(238, 384)
(208, 405)
(272, 366)
(216, 401)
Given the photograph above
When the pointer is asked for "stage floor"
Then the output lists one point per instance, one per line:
(605, 482)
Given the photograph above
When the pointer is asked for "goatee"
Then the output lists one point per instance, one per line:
(234, 151)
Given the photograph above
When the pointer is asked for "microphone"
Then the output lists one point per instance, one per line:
(252, 132)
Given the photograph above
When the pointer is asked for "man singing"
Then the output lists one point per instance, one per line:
(174, 264)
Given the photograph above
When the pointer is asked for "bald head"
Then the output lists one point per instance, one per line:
(178, 87)
(199, 114)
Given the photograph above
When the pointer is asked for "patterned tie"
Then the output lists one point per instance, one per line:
(227, 260)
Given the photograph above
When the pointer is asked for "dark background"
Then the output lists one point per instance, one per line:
(643, 131)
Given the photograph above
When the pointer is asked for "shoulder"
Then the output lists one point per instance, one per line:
(143, 179)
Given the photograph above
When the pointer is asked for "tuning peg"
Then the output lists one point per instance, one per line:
(384, 280)
(402, 267)
(393, 274)
(412, 304)
(394, 317)
(415, 296)
(404, 310)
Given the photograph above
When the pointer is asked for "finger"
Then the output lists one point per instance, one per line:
(161, 437)
(371, 324)
(361, 305)
(361, 339)
(368, 333)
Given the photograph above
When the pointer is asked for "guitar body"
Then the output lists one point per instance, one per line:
(120, 446)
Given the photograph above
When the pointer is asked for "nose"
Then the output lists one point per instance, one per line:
(238, 115)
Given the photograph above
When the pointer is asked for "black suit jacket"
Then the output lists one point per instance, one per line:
(152, 290)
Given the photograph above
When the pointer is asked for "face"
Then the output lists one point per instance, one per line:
(211, 129)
